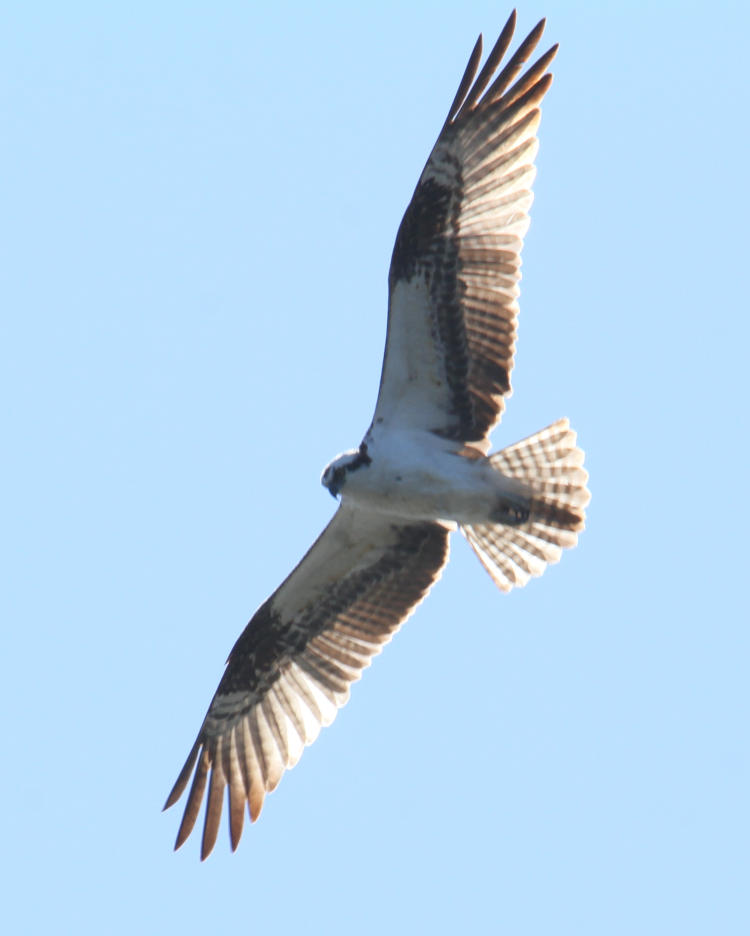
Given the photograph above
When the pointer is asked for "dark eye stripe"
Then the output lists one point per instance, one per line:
(361, 458)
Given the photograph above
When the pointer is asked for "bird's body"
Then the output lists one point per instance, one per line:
(420, 476)
(422, 469)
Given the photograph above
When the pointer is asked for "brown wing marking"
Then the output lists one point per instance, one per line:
(288, 674)
(456, 261)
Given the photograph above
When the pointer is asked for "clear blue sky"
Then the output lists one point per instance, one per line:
(199, 206)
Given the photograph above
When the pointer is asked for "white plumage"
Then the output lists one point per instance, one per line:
(421, 470)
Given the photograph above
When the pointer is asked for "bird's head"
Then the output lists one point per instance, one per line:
(335, 475)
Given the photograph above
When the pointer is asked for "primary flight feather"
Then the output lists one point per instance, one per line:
(422, 469)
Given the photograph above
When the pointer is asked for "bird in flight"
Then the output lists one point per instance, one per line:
(422, 469)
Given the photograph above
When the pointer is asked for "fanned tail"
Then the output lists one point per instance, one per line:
(549, 465)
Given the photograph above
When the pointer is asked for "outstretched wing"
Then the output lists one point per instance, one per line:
(455, 266)
(292, 666)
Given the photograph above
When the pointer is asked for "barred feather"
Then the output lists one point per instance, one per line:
(550, 464)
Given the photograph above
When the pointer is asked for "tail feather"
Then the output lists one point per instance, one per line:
(550, 466)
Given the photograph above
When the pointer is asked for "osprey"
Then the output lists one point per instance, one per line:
(422, 469)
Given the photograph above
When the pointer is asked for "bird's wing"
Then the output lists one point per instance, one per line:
(292, 666)
(454, 274)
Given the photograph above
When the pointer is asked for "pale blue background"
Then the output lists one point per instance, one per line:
(199, 205)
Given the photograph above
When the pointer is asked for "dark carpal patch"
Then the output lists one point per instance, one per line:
(424, 221)
(252, 664)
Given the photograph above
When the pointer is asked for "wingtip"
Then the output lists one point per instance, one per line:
(176, 792)
(179, 787)
(255, 803)
(543, 85)
(207, 843)
(550, 54)
(182, 836)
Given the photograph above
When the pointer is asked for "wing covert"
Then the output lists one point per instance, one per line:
(292, 667)
(453, 281)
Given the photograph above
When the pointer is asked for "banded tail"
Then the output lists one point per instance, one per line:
(550, 465)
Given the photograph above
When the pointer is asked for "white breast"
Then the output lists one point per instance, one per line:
(419, 475)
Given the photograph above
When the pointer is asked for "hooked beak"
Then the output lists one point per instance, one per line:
(337, 482)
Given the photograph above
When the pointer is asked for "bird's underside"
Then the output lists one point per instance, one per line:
(421, 470)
